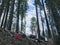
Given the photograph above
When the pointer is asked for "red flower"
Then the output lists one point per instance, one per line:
(17, 36)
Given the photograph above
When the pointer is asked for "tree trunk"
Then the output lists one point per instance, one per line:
(24, 24)
(3, 18)
(7, 9)
(56, 18)
(22, 21)
(42, 21)
(17, 23)
(49, 35)
(55, 14)
(11, 15)
(1, 8)
(38, 28)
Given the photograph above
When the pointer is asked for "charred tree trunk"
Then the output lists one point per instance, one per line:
(17, 23)
(3, 18)
(1, 8)
(49, 34)
(11, 15)
(7, 9)
(38, 28)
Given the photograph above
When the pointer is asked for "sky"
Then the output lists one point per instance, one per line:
(31, 12)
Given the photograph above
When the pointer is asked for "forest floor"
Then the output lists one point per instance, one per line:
(7, 39)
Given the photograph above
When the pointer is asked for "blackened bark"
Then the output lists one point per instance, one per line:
(7, 9)
(38, 28)
(1, 8)
(17, 23)
(49, 34)
(11, 15)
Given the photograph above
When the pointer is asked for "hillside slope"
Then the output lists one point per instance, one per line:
(6, 38)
